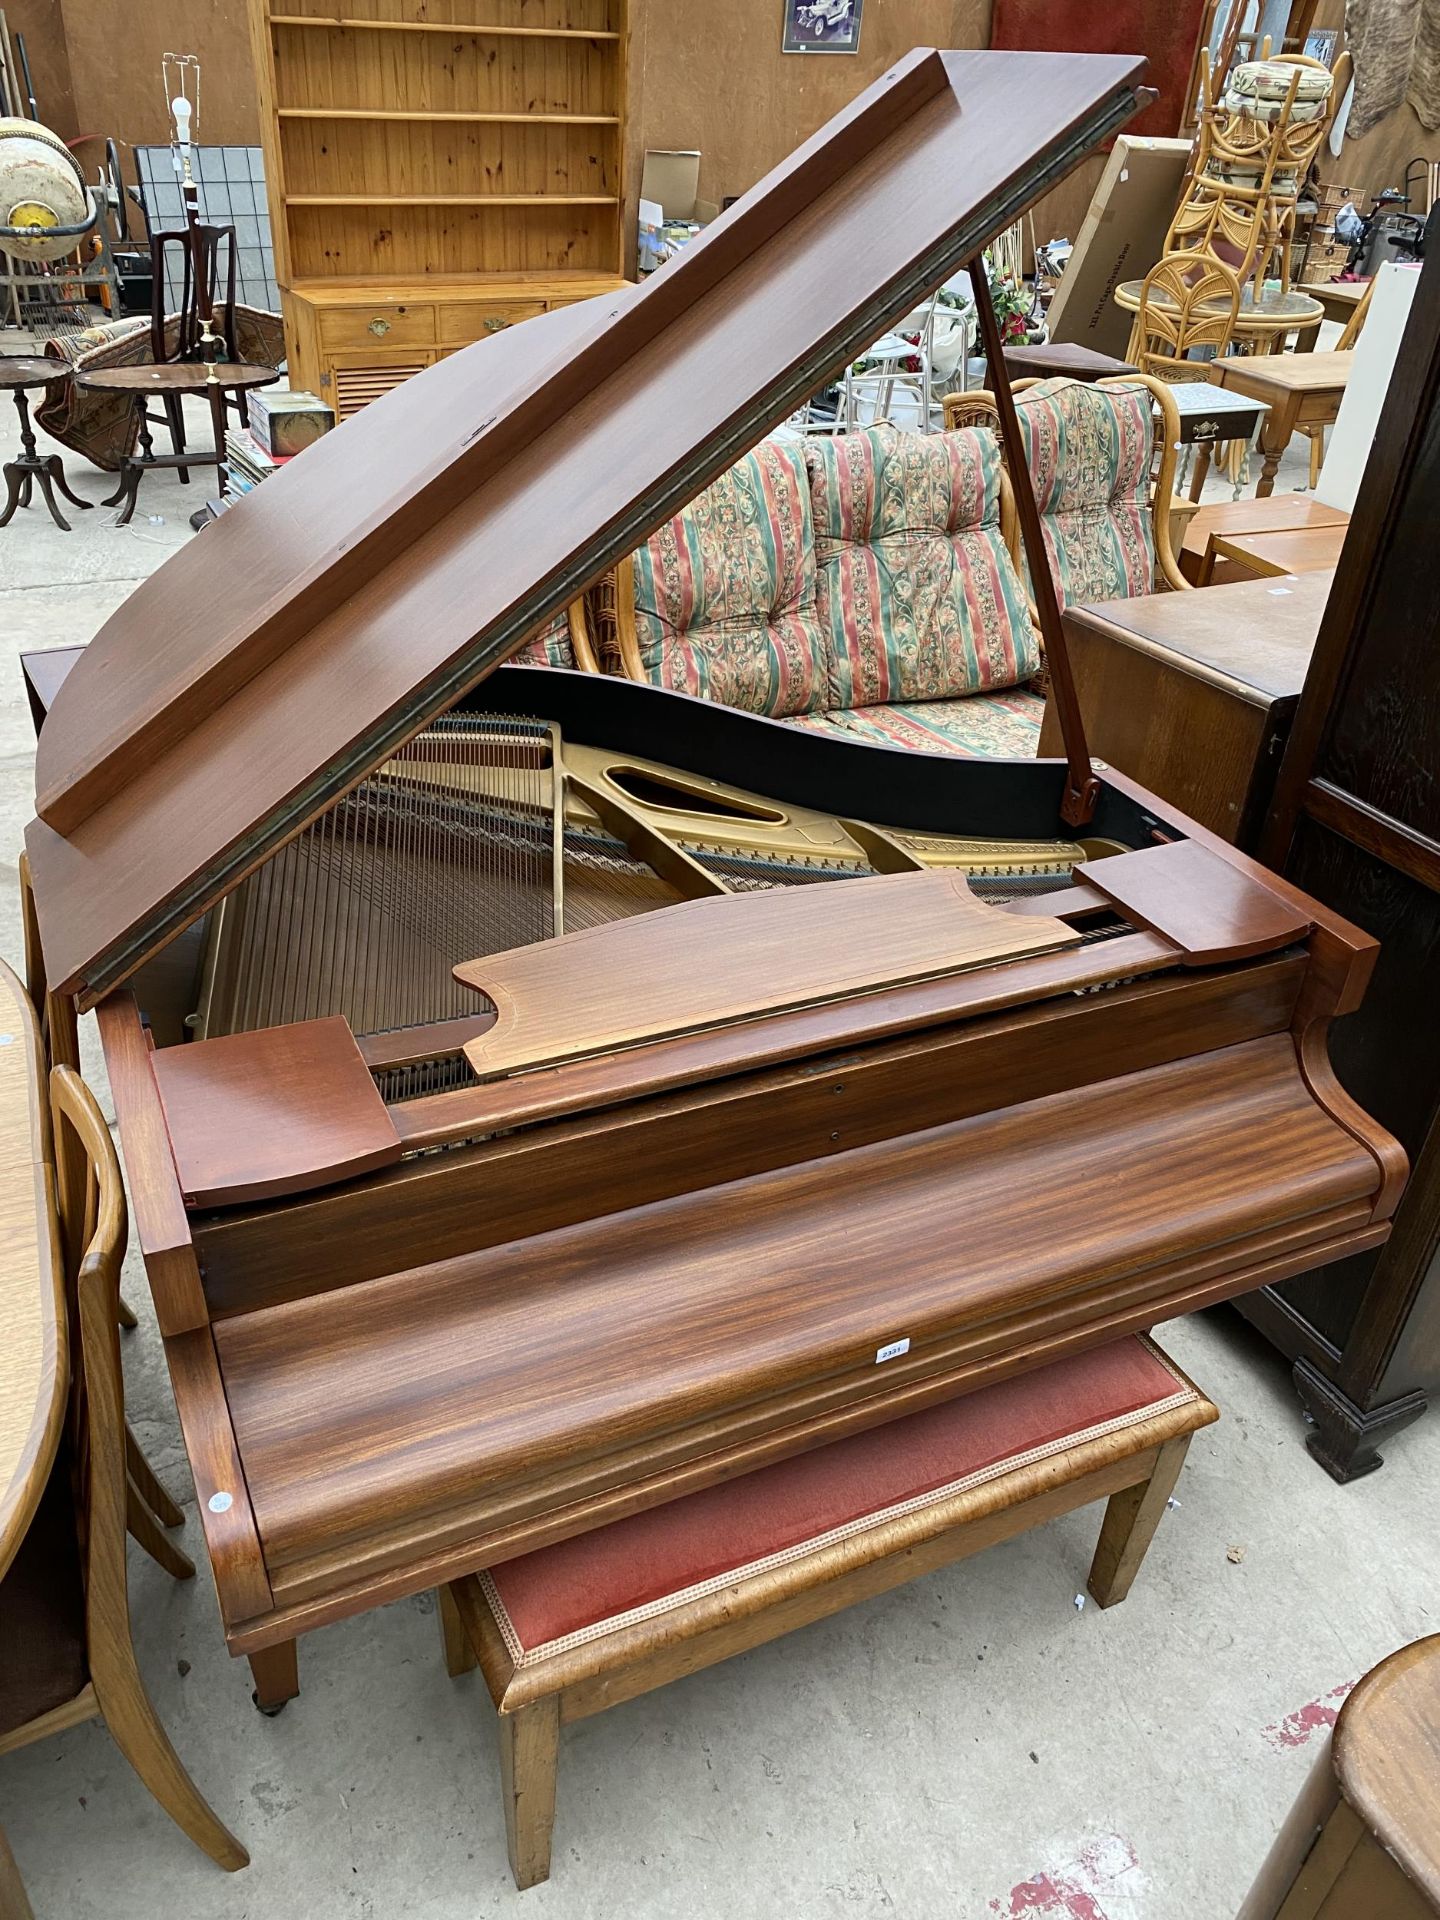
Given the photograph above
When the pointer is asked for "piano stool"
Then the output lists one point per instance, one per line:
(574, 1628)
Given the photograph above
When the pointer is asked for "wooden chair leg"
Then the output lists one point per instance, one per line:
(13, 1902)
(135, 1728)
(142, 1526)
(459, 1654)
(146, 1484)
(1202, 468)
(529, 1749)
(1131, 1517)
(276, 1673)
(125, 1314)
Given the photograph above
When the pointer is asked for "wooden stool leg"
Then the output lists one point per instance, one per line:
(459, 1654)
(13, 1902)
(146, 1483)
(141, 1525)
(276, 1673)
(1131, 1517)
(125, 1314)
(529, 1749)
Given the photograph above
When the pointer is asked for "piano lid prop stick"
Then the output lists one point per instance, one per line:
(1082, 790)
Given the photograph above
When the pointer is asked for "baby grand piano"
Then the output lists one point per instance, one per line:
(543, 1095)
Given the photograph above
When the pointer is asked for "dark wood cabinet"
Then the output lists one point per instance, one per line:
(1356, 822)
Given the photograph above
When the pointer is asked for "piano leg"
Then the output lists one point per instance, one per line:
(529, 1748)
(1131, 1517)
(276, 1673)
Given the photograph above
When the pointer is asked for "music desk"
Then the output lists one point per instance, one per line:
(1193, 694)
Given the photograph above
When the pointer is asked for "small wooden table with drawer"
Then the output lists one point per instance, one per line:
(1193, 694)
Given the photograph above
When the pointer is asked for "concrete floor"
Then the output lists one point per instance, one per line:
(972, 1745)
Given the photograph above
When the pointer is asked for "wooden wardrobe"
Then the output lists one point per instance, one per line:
(1356, 822)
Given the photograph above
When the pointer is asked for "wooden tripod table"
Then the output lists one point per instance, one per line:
(174, 377)
(1300, 389)
(32, 467)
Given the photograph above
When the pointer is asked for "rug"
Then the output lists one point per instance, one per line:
(1396, 48)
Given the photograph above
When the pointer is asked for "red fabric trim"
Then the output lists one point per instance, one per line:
(563, 1588)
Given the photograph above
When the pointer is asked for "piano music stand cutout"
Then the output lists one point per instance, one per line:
(713, 963)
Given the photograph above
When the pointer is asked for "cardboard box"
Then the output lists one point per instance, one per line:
(670, 182)
(1121, 239)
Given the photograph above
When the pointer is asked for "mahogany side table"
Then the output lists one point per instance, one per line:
(174, 377)
(31, 467)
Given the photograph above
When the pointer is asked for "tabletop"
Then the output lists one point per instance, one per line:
(1387, 1758)
(1274, 513)
(1275, 311)
(177, 376)
(1290, 372)
(34, 1370)
(29, 370)
(1065, 357)
(1289, 550)
(1256, 634)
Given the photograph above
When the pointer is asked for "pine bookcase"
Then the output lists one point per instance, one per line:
(437, 170)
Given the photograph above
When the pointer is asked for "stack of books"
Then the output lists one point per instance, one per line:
(248, 461)
(285, 420)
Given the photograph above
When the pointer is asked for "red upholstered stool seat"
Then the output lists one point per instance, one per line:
(561, 1596)
(574, 1628)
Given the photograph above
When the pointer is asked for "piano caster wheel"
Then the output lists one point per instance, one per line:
(269, 1712)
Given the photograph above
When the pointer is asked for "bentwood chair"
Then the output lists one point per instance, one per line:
(66, 1653)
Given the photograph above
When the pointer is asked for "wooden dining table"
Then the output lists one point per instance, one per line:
(34, 1348)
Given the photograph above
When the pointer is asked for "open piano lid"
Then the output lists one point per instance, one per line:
(328, 617)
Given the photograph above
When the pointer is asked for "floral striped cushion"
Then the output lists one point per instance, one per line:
(725, 592)
(551, 647)
(994, 726)
(915, 588)
(1088, 450)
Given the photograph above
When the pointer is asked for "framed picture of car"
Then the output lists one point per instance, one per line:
(822, 26)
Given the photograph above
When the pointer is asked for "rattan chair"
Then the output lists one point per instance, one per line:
(978, 409)
(1188, 301)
